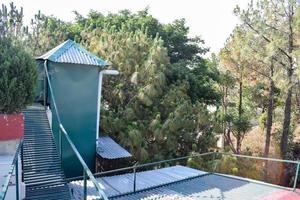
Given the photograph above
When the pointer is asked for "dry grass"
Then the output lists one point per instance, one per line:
(255, 142)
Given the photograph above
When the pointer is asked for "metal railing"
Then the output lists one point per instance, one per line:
(87, 174)
(137, 166)
(14, 166)
(296, 163)
(213, 155)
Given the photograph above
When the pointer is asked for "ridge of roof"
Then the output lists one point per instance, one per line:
(72, 53)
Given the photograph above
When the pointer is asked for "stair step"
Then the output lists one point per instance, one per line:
(39, 154)
(41, 165)
(53, 171)
(38, 181)
(46, 183)
(39, 149)
(34, 139)
(41, 157)
(59, 192)
(40, 162)
(60, 195)
(45, 174)
(42, 147)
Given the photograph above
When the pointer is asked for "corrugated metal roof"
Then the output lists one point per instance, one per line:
(107, 148)
(213, 187)
(71, 52)
(121, 184)
(180, 182)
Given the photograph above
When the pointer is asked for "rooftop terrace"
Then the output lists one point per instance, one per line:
(179, 182)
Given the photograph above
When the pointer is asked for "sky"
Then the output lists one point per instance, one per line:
(213, 20)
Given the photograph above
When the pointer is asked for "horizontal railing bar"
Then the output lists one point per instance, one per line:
(255, 181)
(260, 158)
(173, 159)
(182, 158)
(142, 165)
(101, 173)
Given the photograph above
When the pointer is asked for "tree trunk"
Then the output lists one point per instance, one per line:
(269, 122)
(288, 101)
(240, 110)
(224, 123)
(286, 124)
(269, 113)
(228, 138)
(238, 144)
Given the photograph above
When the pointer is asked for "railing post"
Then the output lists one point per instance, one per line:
(134, 178)
(45, 85)
(17, 177)
(84, 185)
(60, 146)
(214, 161)
(22, 164)
(296, 177)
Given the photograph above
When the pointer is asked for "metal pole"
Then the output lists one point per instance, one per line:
(296, 177)
(214, 161)
(99, 104)
(22, 164)
(134, 178)
(17, 178)
(84, 185)
(45, 85)
(60, 144)
(101, 73)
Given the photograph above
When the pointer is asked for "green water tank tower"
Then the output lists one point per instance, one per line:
(74, 75)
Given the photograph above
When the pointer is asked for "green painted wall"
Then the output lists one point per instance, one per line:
(75, 89)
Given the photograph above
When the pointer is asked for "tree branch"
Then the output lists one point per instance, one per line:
(266, 39)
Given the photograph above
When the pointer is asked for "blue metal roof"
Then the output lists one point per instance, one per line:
(71, 52)
(107, 148)
(179, 182)
(122, 184)
(214, 187)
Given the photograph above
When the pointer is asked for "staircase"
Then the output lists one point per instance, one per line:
(42, 172)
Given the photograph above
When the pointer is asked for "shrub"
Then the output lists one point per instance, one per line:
(17, 77)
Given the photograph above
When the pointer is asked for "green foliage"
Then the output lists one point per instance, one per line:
(47, 32)
(239, 166)
(157, 106)
(17, 77)
(263, 120)
(150, 106)
(175, 35)
(11, 21)
(200, 78)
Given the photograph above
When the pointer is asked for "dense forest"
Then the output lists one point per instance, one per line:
(170, 99)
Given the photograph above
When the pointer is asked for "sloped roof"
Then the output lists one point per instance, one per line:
(119, 185)
(179, 182)
(214, 187)
(71, 52)
(107, 148)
